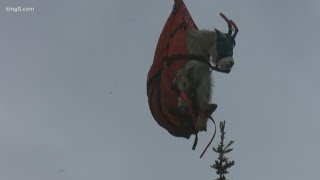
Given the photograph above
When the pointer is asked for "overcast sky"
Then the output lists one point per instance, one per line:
(73, 103)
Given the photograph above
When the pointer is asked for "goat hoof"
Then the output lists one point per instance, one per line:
(210, 109)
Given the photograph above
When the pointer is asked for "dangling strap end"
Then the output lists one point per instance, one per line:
(215, 130)
(195, 142)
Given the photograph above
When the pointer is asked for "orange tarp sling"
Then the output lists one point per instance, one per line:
(162, 96)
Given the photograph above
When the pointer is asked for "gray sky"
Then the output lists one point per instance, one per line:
(73, 102)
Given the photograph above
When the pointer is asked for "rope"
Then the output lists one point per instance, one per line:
(215, 130)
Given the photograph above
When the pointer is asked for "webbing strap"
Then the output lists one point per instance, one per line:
(215, 130)
(190, 57)
(195, 142)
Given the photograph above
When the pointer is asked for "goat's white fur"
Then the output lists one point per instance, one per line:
(195, 76)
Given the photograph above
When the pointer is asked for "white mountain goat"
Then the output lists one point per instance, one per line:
(195, 77)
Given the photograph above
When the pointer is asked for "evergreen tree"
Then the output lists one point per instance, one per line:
(222, 164)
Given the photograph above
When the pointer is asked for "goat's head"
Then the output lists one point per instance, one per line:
(225, 42)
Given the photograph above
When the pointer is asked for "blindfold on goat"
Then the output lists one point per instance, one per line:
(225, 45)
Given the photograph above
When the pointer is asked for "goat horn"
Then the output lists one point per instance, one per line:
(231, 26)
(236, 29)
(228, 22)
